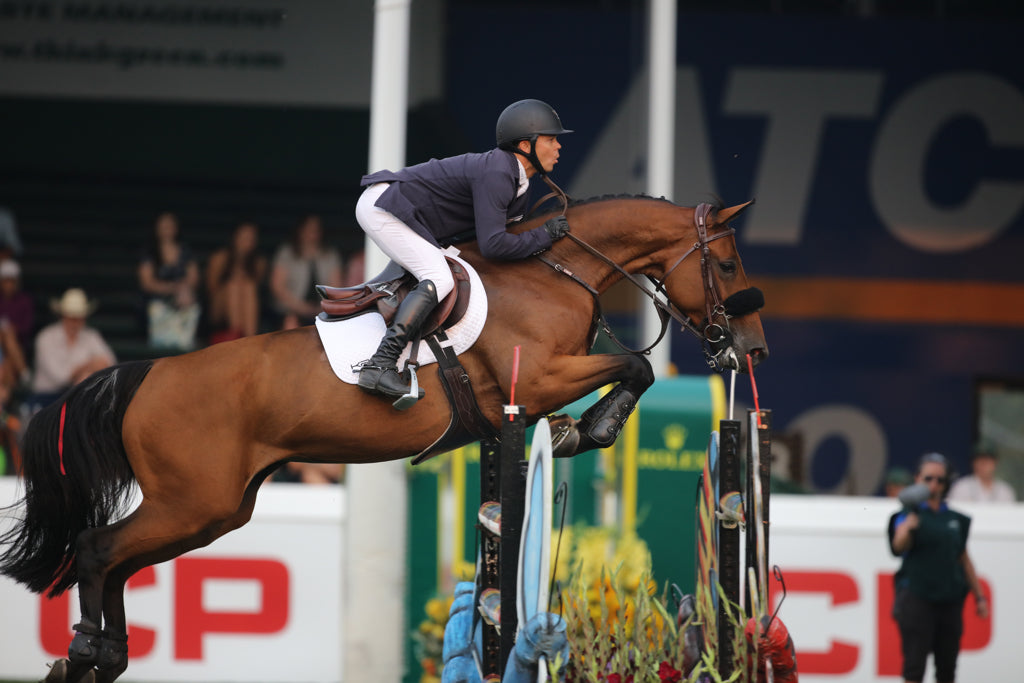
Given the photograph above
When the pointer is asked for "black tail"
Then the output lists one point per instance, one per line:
(91, 492)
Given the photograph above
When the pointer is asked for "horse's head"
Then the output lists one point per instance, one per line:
(705, 280)
(689, 254)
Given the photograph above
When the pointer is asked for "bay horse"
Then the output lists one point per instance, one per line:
(198, 433)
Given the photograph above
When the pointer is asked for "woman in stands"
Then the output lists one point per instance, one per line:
(234, 276)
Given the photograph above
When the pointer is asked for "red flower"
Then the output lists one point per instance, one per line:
(614, 678)
(668, 674)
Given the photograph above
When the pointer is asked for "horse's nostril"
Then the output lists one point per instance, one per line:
(758, 355)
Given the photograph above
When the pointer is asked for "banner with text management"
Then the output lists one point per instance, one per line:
(262, 52)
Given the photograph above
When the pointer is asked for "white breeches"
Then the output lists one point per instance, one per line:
(401, 243)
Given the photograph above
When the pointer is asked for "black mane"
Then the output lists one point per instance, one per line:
(610, 197)
(715, 201)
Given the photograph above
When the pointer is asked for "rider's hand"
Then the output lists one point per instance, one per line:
(557, 227)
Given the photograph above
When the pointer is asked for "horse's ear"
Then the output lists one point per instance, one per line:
(725, 215)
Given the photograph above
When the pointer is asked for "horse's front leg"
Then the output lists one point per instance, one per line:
(601, 423)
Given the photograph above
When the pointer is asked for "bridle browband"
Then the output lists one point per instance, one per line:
(713, 335)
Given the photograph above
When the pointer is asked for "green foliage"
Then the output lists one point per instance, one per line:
(616, 635)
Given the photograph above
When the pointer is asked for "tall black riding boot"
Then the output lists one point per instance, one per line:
(380, 374)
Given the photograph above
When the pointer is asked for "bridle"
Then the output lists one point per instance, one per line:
(713, 332)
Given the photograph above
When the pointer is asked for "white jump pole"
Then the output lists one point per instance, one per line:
(661, 116)
(375, 561)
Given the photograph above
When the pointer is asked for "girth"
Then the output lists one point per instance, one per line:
(468, 422)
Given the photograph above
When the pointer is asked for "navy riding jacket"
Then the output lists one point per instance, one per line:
(444, 197)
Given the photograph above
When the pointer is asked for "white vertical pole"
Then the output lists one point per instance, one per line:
(375, 561)
(389, 97)
(661, 116)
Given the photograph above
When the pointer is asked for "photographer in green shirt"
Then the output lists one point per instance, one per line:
(936, 574)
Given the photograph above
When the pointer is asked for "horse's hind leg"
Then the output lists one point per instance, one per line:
(85, 648)
(108, 556)
(112, 659)
(97, 653)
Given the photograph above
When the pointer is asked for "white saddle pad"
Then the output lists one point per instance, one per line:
(349, 342)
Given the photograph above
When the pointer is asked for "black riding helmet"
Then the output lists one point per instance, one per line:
(525, 120)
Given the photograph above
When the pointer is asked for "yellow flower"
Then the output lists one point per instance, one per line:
(437, 610)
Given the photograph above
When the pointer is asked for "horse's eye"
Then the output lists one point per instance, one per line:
(727, 267)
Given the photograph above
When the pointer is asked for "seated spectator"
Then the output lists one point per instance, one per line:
(13, 367)
(982, 485)
(168, 278)
(16, 306)
(299, 264)
(234, 276)
(67, 351)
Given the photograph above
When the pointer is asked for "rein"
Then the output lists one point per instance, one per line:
(713, 335)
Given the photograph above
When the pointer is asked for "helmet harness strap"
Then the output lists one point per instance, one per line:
(531, 156)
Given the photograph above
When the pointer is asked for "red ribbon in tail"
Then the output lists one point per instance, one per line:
(60, 437)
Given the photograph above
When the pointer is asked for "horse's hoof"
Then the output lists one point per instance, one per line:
(104, 676)
(88, 677)
(59, 674)
(565, 438)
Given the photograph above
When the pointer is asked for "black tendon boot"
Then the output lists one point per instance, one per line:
(380, 375)
(603, 421)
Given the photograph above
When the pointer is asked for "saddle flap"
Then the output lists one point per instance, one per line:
(345, 302)
(384, 296)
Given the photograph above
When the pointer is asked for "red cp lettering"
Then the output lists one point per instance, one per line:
(841, 657)
(192, 621)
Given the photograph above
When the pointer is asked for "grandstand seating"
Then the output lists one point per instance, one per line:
(91, 233)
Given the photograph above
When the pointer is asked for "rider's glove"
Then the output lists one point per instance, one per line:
(557, 227)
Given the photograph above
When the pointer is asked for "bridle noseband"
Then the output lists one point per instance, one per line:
(714, 332)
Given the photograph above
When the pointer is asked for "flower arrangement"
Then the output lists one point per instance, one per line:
(620, 630)
(428, 638)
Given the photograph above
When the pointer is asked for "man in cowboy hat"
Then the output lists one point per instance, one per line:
(68, 351)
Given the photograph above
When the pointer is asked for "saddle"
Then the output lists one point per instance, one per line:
(385, 293)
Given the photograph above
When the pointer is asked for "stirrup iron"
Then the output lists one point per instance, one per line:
(409, 400)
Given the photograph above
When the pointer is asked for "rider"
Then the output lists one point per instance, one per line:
(407, 212)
